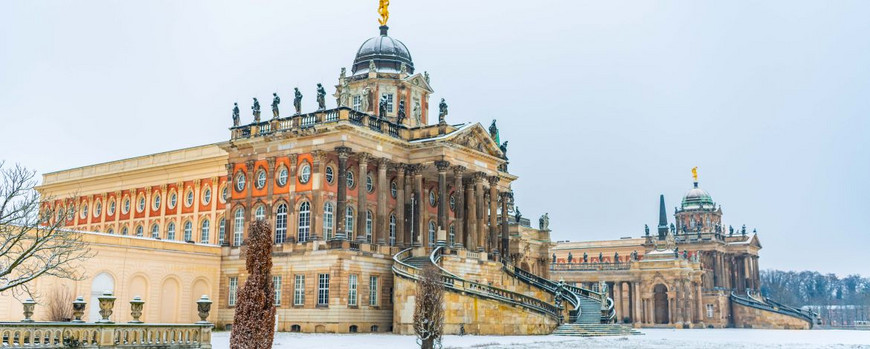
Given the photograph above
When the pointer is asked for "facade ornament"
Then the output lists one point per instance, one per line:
(544, 222)
(344, 93)
(364, 101)
(493, 132)
(418, 112)
(275, 101)
(570, 258)
(743, 230)
(136, 305)
(403, 69)
(503, 148)
(382, 106)
(256, 110)
(518, 214)
(297, 100)
(343, 76)
(442, 165)
(203, 307)
(673, 229)
(236, 119)
(400, 116)
(372, 67)
(585, 258)
(554, 258)
(615, 257)
(321, 97)
(78, 309)
(29, 305)
(107, 302)
(442, 111)
(600, 257)
(426, 76)
(646, 229)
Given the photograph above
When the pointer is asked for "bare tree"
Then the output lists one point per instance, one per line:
(33, 242)
(254, 319)
(60, 307)
(428, 308)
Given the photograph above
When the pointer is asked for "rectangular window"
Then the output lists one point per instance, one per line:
(351, 295)
(373, 291)
(357, 103)
(709, 310)
(390, 102)
(276, 281)
(222, 231)
(323, 289)
(299, 290)
(231, 299)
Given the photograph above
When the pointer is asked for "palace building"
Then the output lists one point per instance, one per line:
(360, 197)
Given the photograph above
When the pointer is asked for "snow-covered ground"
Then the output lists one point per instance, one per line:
(653, 338)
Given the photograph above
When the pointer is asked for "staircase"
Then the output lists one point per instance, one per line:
(594, 330)
(418, 262)
(590, 311)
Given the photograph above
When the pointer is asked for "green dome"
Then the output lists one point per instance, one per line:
(697, 198)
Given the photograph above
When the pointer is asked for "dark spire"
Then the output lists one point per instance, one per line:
(663, 218)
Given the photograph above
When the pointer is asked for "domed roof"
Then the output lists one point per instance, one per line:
(697, 198)
(387, 53)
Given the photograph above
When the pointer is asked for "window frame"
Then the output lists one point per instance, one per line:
(305, 172)
(352, 290)
(276, 283)
(283, 176)
(328, 220)
(330, 174)
(204, 231)
(260, 180)
(233, 285)
(303, 226)
(240, 184)
(281, 223)
(323, 290)
(299, 290)
(170, 231)
(238, 226)
(373, 290)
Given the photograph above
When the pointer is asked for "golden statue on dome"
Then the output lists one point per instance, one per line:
(695, 173)
(384, 12)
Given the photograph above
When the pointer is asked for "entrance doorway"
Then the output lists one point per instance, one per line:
(660, 299)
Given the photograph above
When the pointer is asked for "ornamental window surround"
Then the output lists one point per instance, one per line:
(370, 183)
(283, 174)
(261, 178)
(328, 220)
(188, 231)
(139, 231)
(432, 199)
(304, 222)
(260, 213)
(155, 231)
(350, 181)
(305, 173)
(84, 213)
(98, 208)
(330, 174)
(188, 200)
(173, 200)
(141, 206)
(394, 189)
(206, 196)
(240, 181)
(222, 231)
(239, 226)
(204, 230)
(170, 231)
(112, 207)
(155, 201)
(281, 224)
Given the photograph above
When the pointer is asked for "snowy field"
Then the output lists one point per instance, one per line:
(653, 338)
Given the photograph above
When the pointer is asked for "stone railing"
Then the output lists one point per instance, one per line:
(104, 333)
(591, 266)
(322, 117)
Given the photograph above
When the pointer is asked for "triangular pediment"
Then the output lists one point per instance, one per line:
(419, 80)
(477, 138)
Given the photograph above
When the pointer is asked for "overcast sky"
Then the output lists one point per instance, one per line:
(606, 104)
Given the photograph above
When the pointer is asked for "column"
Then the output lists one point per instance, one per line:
(420, 205)
(318, 166)
(459, 207)
(228, 208)
(471, 223)
(617, 300)
(341, 201)
(400, 205)
(383, 225)
(362, 193)
(410, 205)
(505, 237)
(442, 167)
(481, 218)
(270, 185)
(493, 212)
(292, 216)
(249, 188)
(700, 303)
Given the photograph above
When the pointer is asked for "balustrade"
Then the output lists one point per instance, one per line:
(305, 121)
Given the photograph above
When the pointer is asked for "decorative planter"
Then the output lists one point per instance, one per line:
(29, 304)
(136, 306)
(107, 302)
(203, 306)
(78, 309)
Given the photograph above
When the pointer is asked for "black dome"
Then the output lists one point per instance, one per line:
(387, 53)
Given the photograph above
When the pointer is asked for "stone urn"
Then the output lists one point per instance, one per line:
(29, 304)
(136, 306)
(107, 302)
(78, 309)
(203, 306)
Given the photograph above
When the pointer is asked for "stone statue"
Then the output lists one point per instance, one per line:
(236, 119)
(382, 106)
(634, 255)
(600, 257)
(372, 67)
(442, 111)
(754, 230)
(364, 100)
(297, 100)
(493, 132)
(544, 222)
(673, 228)
(554, 258)
(730, 230)
(615, 257)
(418, 113)
(743, 230)
(426, 76)
(344, 95)
(400, 116)
(321, 97)
(503, 148)
(403, 69)
(518, 215)
(676, 252)
(646, 229)
(685, 254)
(570, 258)
(275, 101)
(585, 257)
(256, 109)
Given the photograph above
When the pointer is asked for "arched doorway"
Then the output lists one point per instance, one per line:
(103, 282)
(660, 303)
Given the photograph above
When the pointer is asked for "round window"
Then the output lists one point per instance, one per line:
(452, 202)
(206, 196)
(282, 176)
(188, 200)
(111, 211)
(349, 179)
(432, 197)
(225, 194)
(305, 173)
(156, 201)
(240, 181)
(329, 174)
(370, 183)
(98, 209)
(84, 213)
(141, 206)
(261, 179)
(173, 200)
(394, 189)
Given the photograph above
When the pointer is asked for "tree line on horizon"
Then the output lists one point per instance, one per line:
(838, 301)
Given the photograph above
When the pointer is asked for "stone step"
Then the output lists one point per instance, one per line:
(594, 330)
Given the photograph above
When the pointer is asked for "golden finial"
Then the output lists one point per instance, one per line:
(695, 173)
(384, 12)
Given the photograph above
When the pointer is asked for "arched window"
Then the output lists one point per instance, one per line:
(348, 223)
(124, 231)
(392, 230)
(281, 224)
(328, 220)
(304, 221)
(451, 237)
(204, 231)
(222, 231)
(139, 231)
(238, 227)
(188, 231)
(155, 231)
(260, 213)
(369, 226)
(110, 231)
(431, 233)
(170, 231)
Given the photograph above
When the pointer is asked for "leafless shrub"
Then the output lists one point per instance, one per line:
(428, 308)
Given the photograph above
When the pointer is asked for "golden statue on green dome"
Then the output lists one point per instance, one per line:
(384, 12)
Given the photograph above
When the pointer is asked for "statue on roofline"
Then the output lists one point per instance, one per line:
(493, 132)
(275, 101)
(518, 214)
(600, 257)
(418, 112)
(585, 257)
(382, 106)
(321, 97)
(442, 111)
(256, 110)
(236, 119)
(297, 100)
(400, 116)
(544, 222)
(615, 257)
(570, 258)
(646, 229)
